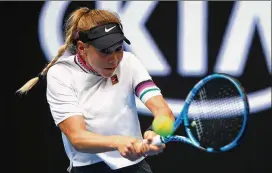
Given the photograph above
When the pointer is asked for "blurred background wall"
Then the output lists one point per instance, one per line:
(178, 42)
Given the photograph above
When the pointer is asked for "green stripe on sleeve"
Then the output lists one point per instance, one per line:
(153, 89)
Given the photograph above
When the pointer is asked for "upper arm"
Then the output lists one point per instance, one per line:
(143, 85)
(146, 89)
(72, 127)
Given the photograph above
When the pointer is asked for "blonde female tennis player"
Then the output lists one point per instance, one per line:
(90, 91)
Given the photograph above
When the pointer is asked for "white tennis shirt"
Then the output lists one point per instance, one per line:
(107, 104)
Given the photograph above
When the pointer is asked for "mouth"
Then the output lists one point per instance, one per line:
(111, 68)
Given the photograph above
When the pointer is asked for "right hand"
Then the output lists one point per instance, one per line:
(130, 148)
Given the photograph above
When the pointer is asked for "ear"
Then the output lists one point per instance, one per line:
(80, 48)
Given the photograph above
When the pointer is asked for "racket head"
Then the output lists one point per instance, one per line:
(215, 113)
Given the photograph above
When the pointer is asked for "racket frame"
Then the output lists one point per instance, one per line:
(182, 118)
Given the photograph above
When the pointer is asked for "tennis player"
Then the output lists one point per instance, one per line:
(91, 85)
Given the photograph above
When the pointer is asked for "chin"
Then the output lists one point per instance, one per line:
(106, 75)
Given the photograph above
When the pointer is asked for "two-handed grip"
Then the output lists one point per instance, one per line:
(155, 141)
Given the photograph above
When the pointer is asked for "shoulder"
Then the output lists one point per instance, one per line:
(127, 55)
(132, 61)
(61, 70)
(130, 58)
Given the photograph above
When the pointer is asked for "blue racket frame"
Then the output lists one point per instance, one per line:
(183, 118)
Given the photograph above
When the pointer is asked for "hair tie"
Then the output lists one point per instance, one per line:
(87, 11)
(40, 76)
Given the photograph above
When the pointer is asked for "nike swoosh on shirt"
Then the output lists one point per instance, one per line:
(107, 30)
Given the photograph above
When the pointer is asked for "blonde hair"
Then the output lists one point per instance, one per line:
(81, 19)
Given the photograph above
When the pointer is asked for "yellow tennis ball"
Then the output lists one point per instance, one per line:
(163, 125)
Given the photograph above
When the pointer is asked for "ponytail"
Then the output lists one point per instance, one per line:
(71, 29)
(32, 82)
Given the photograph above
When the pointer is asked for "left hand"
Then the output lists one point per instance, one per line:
(153, 149)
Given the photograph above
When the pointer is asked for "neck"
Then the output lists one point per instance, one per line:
(81, 61)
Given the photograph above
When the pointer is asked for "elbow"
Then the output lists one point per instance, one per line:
(78, 143)
(83, 145)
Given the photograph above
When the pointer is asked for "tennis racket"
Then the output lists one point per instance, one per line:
(214, 115)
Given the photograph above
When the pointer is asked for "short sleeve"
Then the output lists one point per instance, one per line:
(61, 97)
(143, 85)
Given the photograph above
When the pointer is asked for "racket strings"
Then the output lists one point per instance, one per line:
(216, 114)
(198, 124)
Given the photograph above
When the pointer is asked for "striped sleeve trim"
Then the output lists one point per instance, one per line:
(146, 89)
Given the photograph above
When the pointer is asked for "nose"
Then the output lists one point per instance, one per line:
(114, 60)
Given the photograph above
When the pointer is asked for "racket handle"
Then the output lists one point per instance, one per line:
(155, 141)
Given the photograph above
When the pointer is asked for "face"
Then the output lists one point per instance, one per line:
(104, 64)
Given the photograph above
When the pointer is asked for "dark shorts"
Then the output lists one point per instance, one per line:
(101, 167)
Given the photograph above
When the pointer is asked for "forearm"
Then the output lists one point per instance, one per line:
(159, 107)
(164, 110)
(83, 140)
(94, 143)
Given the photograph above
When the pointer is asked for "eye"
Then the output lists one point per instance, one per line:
(119, 49)
(105, 51)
